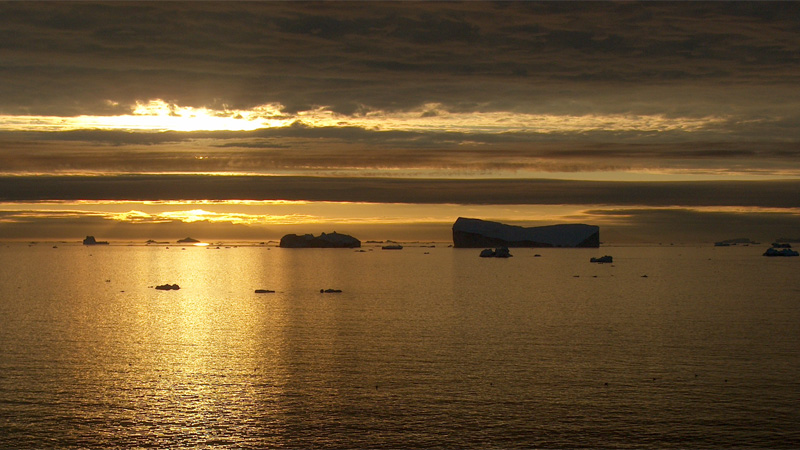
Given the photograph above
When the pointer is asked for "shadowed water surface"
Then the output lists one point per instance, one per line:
(419, 350)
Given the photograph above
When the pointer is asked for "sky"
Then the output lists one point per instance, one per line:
(659, 122)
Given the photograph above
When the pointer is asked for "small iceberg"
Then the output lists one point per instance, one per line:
(90, 240)
(330, 291)
(264, 291)
(499, 252)
(188, 240)
(392, 247)
(168, 287)
(329, 240)
(737, 241)
(782, 252)
(602, 259)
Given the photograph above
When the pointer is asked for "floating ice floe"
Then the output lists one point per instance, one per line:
(499, 252)
(602, 259)
(329, 240)
(90, 240)
(782, 252)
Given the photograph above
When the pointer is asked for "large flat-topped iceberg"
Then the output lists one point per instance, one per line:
(471, 233)
(330, 240)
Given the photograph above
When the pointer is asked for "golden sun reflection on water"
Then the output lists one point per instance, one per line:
(421, 345)
(211, 350)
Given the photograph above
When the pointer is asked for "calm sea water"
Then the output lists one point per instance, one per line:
(425, 347)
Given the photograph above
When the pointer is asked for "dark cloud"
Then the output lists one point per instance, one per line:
(69, 57)
(774, 194)
(303, 149)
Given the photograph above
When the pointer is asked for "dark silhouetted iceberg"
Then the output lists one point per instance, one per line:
(473, 233)
(780, 252)
(90, 240)
(331, 240)
(487, 253)
(737, 241)
(500, 252)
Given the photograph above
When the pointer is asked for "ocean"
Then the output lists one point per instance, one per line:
(669, 346)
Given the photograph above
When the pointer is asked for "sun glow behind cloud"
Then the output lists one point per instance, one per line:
(200, 215)
(159, 116)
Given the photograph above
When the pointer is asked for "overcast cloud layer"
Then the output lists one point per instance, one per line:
(686, 59)
(470, 103)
